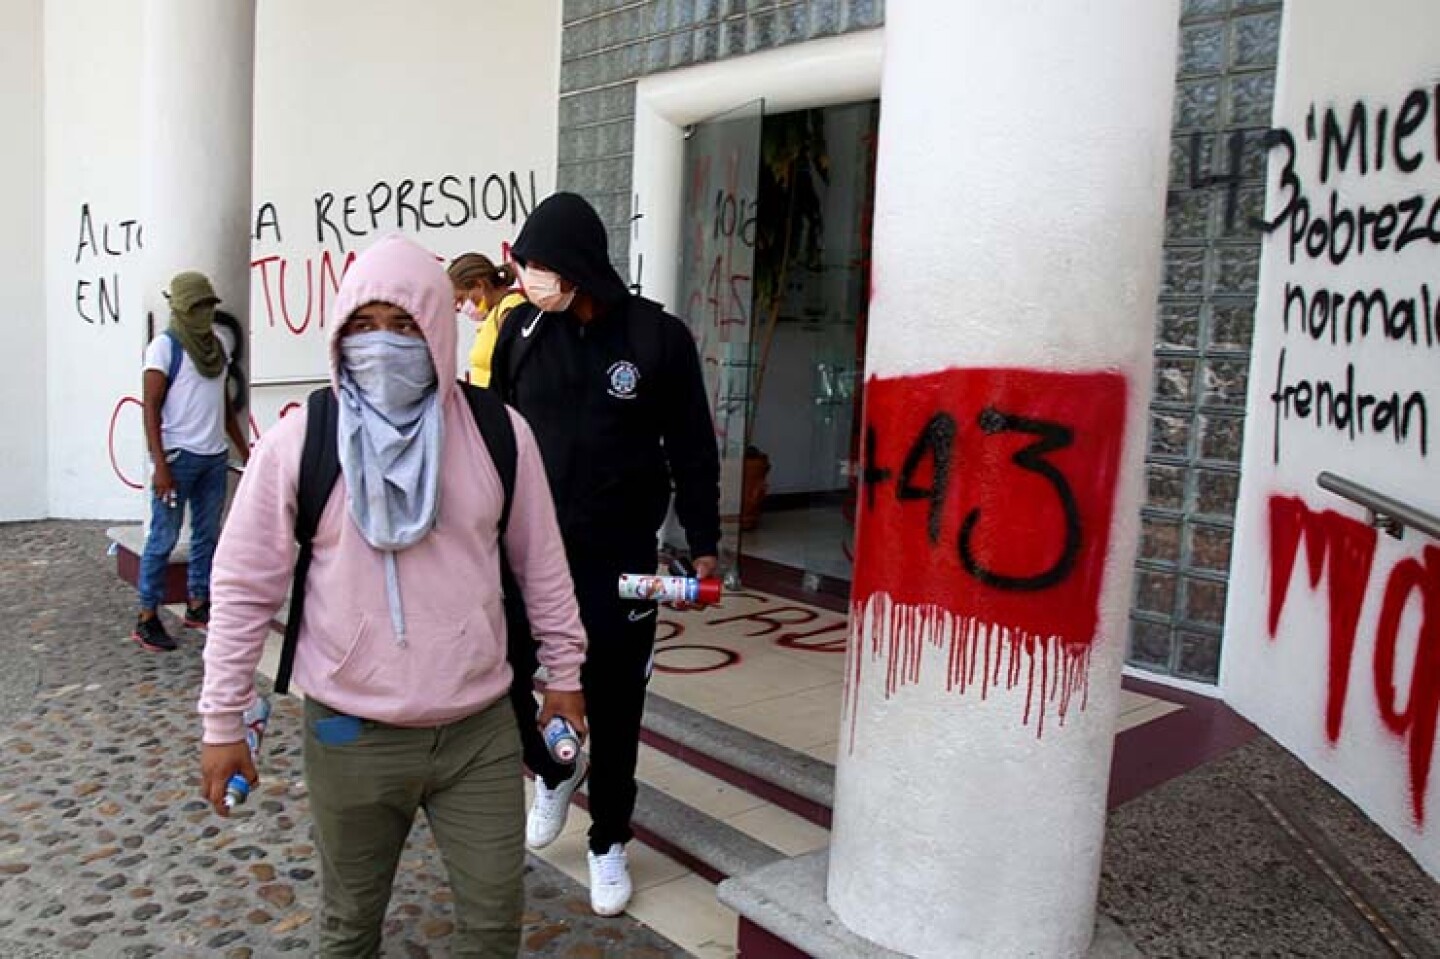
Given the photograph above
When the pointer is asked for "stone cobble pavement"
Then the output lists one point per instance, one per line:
(106, 848)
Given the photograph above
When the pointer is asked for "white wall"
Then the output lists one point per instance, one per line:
(94, 323)
(1366, 725)
(359, 97)
(22, 301)
(348, 95)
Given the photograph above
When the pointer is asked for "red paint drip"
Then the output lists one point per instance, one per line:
(1052, 669)
(1416, 724)
(1347, 546)
(984, 524)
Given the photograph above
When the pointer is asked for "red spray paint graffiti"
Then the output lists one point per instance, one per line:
(322, 281)
(120, 405)
(1350, 547)
(1417, 721)
(1345, 548)
(984, 526)
(689, 657)
(711, 658)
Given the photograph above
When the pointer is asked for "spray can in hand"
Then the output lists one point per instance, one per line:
(669, 589)
(256, 718)
(561, 740)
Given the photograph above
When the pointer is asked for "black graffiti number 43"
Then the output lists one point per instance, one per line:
(936, 443)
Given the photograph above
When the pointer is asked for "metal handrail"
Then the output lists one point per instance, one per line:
(291, 381)
(1386, 513)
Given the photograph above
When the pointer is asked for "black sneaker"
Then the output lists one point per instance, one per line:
(197, 617)
(150, 634)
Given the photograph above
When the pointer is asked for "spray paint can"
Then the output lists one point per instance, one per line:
(256, 718)
(561, 740)
(669, 589)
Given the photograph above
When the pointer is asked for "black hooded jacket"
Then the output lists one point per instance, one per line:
(618, 404)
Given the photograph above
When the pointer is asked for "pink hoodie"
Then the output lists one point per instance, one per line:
(454, 664)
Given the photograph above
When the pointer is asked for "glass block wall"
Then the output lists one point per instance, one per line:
(1225, 83)
(1224, 90)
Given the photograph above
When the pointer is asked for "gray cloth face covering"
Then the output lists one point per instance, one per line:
(389, 446)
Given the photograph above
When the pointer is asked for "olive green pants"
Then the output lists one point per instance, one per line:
(365, 786)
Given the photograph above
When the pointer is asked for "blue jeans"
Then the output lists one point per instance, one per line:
(199, 482)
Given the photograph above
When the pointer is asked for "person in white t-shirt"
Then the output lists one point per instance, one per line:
(188, 415)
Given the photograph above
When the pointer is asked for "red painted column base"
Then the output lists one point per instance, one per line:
(754, 942)
(176, 586)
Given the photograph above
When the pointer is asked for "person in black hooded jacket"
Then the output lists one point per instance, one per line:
(612, 386)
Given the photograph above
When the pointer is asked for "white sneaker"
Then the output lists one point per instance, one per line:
(552, 806)
(609, 881)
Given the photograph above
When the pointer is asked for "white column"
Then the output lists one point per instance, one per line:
(23, 481)
(1017, 255)
(198, 94)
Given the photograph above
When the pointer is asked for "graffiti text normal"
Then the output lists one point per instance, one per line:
(102, 245)
(1356, 192)
(449, 202)
(1360, 142)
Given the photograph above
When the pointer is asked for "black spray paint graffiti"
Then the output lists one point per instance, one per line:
(97, 296)
(1340, 407)
(1324, 218)
(637, 284)
(407, 205)
(419, 205)
(1231, 180)
(933, 452)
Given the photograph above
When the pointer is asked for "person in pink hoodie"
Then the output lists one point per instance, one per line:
(402, 649)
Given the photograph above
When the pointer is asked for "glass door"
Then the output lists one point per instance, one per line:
(717, 266)
(834, 388)
(840, 270)
(812, 296)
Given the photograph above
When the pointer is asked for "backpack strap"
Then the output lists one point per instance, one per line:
(319, 469)
(498, 432)
(177, 352)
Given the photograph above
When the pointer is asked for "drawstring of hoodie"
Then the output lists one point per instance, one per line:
(392, 593)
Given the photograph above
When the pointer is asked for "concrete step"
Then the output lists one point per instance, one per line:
(127, 545)
(708, 846)
(790, 779)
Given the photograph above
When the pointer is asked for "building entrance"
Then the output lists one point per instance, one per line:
(775, 282)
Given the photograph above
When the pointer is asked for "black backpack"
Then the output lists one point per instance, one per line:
(320, 468)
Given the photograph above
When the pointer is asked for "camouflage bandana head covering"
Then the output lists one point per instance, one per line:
(192, 319)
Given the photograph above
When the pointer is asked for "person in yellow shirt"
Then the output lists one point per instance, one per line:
(483, 292)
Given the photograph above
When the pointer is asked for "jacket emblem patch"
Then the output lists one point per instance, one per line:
(624, 380)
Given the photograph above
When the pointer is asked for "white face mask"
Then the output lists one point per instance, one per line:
(542, 287)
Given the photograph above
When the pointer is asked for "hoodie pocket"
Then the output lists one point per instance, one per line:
(442, 660)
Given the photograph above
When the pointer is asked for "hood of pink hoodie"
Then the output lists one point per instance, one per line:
(401, 272)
